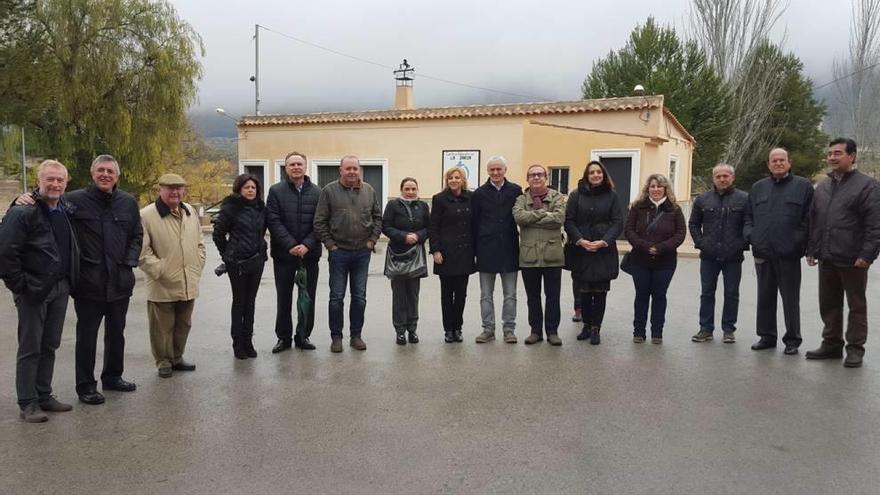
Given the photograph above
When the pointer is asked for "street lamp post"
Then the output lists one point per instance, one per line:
(23, 163)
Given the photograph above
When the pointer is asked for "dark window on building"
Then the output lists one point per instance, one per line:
(559, 179)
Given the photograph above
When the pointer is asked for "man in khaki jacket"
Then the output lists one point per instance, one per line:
(172, 259)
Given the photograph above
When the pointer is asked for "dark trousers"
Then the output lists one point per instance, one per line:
(89, 314)
(453, 293)
(651, 287)
(834, 282)
(284, 284)
(548, 317)
(39, 334)
(593, 307)
(244, 296)
(783, 276)
(345, 265)
(405, 304)
(709, 271)
(576, 292)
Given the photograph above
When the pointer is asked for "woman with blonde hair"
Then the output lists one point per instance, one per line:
(655, 227)
(452, 247)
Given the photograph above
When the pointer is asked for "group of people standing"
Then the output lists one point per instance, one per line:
(87, 242)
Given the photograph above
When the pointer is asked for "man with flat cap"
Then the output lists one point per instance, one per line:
(172, 258)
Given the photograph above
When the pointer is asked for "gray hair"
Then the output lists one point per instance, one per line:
(104, 159)
(350, 157)
(51, 164)
(497, 159)
(728, 166)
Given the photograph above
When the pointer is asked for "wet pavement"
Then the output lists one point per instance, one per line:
(464, 418)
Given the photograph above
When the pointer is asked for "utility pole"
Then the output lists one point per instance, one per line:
(256, 76)
(23, 164)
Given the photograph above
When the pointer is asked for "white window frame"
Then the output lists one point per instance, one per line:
(674, 157)
(279, 164)
(550, 169)
(316, 163)
(635, 165)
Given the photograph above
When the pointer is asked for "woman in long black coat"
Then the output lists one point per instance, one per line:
(240, 236)
(405, 222)
(593, 222)
(452, 248)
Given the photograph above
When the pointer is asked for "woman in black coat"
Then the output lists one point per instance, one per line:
(405, 222)
(240, 236)
(593, 222)
(452, 248)
(655, 227)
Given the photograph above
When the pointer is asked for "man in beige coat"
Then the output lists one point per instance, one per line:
(172, 259)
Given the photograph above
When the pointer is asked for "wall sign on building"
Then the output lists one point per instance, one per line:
(468, 160)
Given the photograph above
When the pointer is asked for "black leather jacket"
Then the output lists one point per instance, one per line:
(717, 222)
(778, 217)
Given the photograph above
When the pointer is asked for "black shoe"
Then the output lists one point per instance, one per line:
(413, 337)
(585, 333)
(458, 337)
(790, 350)
(249, 348)
(281, 346)
(852, 361)
(763, 344)
(449, 337)
(303, 344)
(825, 352)
(594, 336)
(91, 397)
(183, 366)
(401, 339)
(239, 352)
(119, 385)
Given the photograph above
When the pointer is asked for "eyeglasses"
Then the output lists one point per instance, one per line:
(536, 175)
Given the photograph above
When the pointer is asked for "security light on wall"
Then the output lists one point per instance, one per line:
(639, 90)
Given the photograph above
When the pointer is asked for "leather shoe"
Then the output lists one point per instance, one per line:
(280, 346)
(54, 405)
(458, 336)
(91, 397)
(303, 344)
(763, 344)
(852, 361)
(790, 350)
(449, 336)
(119, 385)
(183, 366)
(825, 352)
(358, 343)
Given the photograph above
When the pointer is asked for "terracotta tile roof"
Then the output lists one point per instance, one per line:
(470, 111)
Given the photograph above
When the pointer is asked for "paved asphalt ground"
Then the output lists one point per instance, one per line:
(676, 418)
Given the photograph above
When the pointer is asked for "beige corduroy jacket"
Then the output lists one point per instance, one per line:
(173, 253)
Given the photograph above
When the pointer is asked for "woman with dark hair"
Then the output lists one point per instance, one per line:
(405, 222)
(655, 227)
(593, 222)
(452, 247)
(240, 237)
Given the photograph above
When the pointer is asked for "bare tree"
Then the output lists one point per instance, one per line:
(857, 82)
(734, 34)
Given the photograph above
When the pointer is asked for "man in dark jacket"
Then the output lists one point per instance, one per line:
(777, 226)
(39, 262)
(291, 209)
(716, 226)
(844, 241)
(348, 221)
(497, 248)
(109, 234)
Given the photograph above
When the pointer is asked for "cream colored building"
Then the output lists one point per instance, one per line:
(633, 136)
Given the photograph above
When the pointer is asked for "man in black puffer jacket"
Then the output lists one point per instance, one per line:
(777, 226)
(291, 212)
(844, 241)
(716, 226)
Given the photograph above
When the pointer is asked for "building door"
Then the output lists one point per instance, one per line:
(620, 170)
(260, 172)
(371, 174)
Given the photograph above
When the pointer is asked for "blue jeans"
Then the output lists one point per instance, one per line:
(709, 271)
(345, 265)
(651, 286)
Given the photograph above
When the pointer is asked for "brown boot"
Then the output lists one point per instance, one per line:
(825, 352)
(336, 344)
(358, 343)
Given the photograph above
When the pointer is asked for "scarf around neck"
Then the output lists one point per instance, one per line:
(538, 196)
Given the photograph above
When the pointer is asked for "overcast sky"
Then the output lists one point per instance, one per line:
(541, 50)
